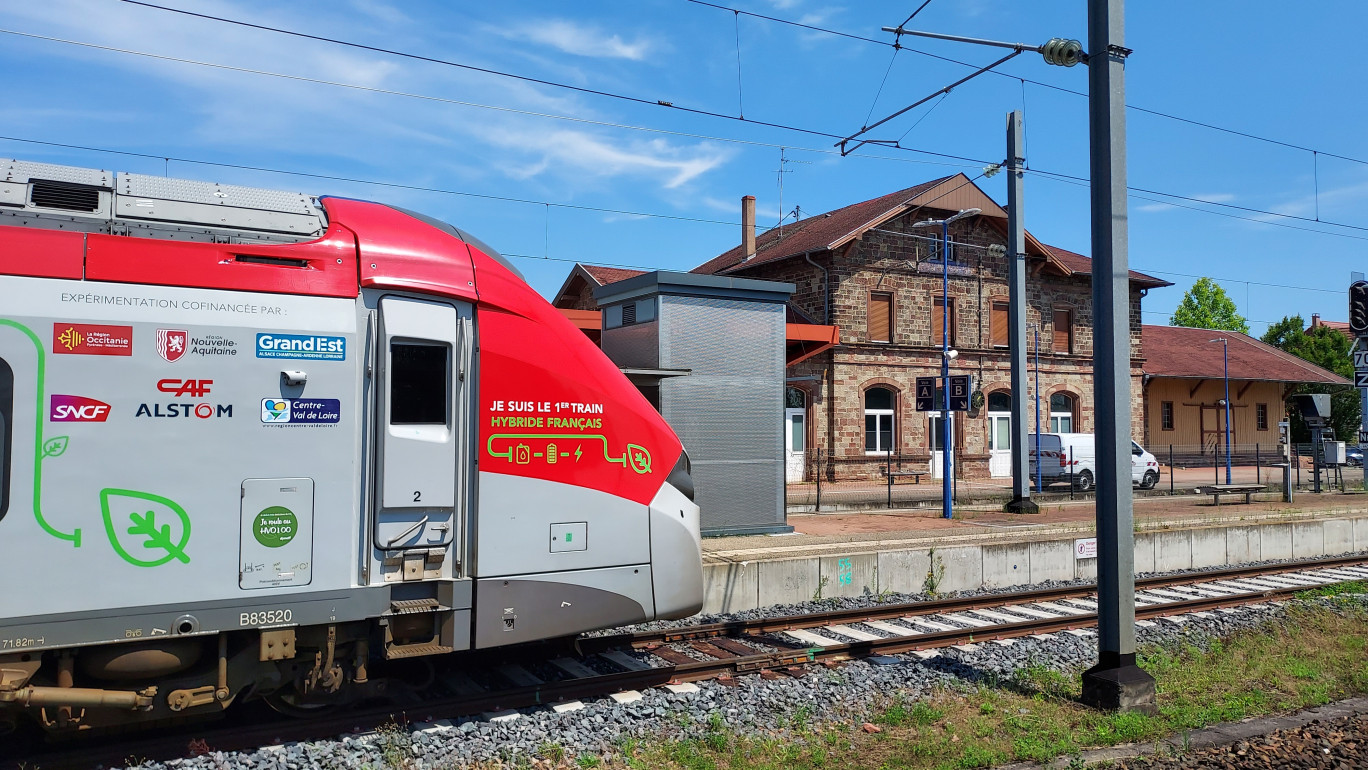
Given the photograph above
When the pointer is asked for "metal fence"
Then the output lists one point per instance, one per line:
(909, 482)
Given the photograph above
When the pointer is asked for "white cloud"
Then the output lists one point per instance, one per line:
(1331, 203)
(584, 155)
(381, 11)
(733, 207)
(580, 40)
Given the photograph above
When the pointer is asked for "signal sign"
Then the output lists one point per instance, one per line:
(959, 392)
(1358, 308)
(1361, 379)
(926, 394)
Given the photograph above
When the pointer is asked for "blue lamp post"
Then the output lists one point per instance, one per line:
(1225, 360)
(946, 352)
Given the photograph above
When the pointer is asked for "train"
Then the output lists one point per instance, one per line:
(264, 445)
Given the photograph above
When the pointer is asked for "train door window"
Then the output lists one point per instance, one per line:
(6, 420)
(418, 383)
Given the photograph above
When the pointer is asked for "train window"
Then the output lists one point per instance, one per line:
(6, 420)
(418, 383)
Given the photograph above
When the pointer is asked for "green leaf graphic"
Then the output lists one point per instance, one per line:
(138, 537)
(56, 446)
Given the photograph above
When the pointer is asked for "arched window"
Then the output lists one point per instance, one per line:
(1061, 413)
(795, 398)
(1000, 401)
(878, 411)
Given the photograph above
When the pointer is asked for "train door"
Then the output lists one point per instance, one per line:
(423, 422)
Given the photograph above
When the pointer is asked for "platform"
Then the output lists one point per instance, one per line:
(853, 554)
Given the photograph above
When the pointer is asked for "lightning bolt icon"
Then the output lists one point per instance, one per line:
(578, 452)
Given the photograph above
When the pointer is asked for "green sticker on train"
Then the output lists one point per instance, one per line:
(275, 527)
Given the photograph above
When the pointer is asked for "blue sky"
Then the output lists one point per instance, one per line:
(1267, 68)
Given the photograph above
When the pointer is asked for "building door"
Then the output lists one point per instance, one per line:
(999, 434)
(1213, 430)
(795, 434)
(795, 439)
(937, 463)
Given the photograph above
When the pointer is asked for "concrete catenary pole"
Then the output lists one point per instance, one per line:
(1116, 682)
(1016, 327)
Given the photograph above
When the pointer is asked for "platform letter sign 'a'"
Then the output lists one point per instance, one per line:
(1358, 308)
(926, 394)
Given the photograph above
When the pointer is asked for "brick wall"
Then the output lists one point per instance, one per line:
(579, 296)
(893, 262)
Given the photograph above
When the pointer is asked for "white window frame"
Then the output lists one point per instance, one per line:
(879, 416)
(1057, 419)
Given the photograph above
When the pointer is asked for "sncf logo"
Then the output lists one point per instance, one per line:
(77, 409)
(181, 388)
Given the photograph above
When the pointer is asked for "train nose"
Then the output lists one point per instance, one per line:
(676, 548)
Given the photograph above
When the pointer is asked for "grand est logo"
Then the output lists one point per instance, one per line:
(190, 391)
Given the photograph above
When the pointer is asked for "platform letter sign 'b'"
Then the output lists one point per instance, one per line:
(1358, 308)
(959, 393)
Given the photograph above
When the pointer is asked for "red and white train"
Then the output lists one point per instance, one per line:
(256, 444)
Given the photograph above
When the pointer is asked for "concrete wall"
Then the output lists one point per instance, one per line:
(731, 587)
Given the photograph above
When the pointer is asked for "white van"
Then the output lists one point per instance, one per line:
(1080, 456)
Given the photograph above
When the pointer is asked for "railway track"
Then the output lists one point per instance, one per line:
(622, 665)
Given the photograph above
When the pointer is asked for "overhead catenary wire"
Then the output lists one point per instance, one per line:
(549, 204)
(969, 160)
(359, 180)
(964, 162)
(474, 68)
(1063, 89)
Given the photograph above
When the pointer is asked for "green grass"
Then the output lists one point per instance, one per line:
(1335, 589)
(1313, 657)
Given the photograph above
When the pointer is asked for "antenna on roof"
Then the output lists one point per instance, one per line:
(783, 161)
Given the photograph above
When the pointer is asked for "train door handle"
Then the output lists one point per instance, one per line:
(417, 526)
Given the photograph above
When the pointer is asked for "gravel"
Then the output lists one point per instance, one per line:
(752, 704)
(1334, 744)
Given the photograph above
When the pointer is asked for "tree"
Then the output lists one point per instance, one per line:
(1328, 349)
(1206, 306)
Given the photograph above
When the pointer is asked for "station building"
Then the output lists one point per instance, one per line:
(1185, 382)
(865, 321)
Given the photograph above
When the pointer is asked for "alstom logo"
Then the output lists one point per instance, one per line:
(77, 409)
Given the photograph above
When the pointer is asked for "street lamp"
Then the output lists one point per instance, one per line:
(1225, 360)
(946, 352)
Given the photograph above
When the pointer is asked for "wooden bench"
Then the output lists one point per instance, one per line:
(916, 476)
(1216, 490)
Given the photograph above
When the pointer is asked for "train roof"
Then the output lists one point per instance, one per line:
(71, 212)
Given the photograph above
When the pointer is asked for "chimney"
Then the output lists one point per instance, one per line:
(1315, 320)
(748, 226)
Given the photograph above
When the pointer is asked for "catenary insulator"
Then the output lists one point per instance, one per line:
(1061, 52)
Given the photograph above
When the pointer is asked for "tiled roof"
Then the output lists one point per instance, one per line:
(814, 233)
(1081, 264)
(1339, 326)
(607, 275)
(822, 231)
(1175, 351)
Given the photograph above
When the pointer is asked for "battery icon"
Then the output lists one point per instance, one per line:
(550, 454)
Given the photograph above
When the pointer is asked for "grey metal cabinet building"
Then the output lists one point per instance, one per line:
(708, 352)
